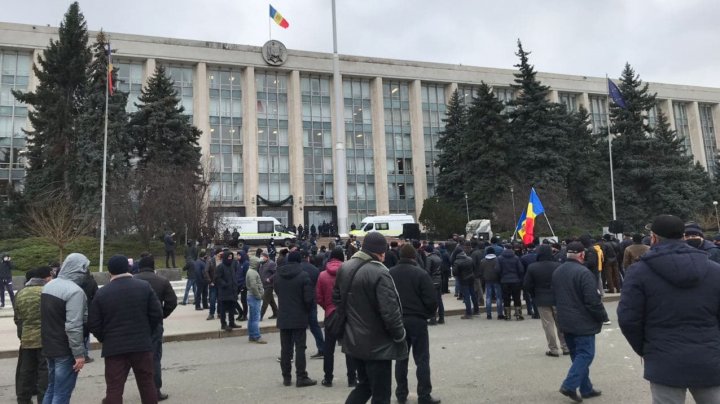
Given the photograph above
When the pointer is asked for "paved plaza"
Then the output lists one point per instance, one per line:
(473, 361)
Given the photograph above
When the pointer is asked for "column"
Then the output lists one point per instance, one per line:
(449, 90)
(295, 141)
(553, 96)
(584, 101)
(149, 70)
(382, 204)
(201, 116)
(418, 146)
(249, 137)
(696, 139)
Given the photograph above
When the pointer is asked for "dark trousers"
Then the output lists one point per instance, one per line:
(512, 290)
(441, 305)
(289, 339)
(31, 375)
(169, 256)
(242, 307)
(268, 300)
(226, 312)
(445, 281)
(315, 329)
(117, 368)
(329, 359)
(374, 380)
(157, 340)
(7, 284)
(418, 341)
(202, 295)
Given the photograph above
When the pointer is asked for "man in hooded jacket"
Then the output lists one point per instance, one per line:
(295, 298)
(669, 312)
(226, 283)
(63, 315)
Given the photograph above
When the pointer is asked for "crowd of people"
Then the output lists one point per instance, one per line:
(384, 296)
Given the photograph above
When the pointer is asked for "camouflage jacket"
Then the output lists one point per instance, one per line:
(27, 314)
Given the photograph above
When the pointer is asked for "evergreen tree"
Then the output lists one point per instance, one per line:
(168, 174)
(61, 71)
(87, 174)
(164, 135)
(539, 140)
(487, 149)
(632, 136)
(678, 186)
(451, 143)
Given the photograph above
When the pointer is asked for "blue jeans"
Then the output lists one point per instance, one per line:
(493, 288)
(61, 380)
(254, 317)
(315, 329)
(468, 292)
(213, 299)
(582, 352)
(190, 285)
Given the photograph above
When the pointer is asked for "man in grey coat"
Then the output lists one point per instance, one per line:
(580, 315)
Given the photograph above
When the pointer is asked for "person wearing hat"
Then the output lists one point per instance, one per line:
(695, 238)
(123, 317)
(296, 296)
(374, 333)
(669, 311)
(634, 251)
(227, 290)
(433, 264)
(418, 297)
(63, 314)
(580, 316)
(168, 301)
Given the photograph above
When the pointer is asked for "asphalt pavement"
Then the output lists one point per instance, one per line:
(472, 361)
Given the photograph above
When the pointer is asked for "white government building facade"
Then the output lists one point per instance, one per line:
(267, 130)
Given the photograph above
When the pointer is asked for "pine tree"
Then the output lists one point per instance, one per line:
(539, 139)
(56, 103)
(632, 136)
(451, 167)
(87, 172)
(163, 134)
(487, 148)
(168, 177)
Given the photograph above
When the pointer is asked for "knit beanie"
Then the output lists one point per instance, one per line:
(147, 262)
(408, 251)
(375, 243)
(118, 264)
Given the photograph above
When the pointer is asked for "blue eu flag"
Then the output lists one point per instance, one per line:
(616, 95)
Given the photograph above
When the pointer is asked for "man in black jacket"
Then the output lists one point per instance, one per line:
(227, 291)
(123, 316)
(374, 333)
(169, 249)
(433, 264)
(580, 315)
(464, 275)
(419, 303)
(313, 324)
(295, 298)
(538, 283)
(168, 301)
(669, 312)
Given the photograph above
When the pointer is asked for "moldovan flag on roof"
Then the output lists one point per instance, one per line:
(526, 225)
(278, 18)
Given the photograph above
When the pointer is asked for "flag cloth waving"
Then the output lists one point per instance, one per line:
(616, 95)
(526, 225)
(278, 18)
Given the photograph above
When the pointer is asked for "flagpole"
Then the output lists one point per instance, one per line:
(104, 170)
(269, 29)
(338, 127)
(518, 225)
(612, 177)
(544, 213)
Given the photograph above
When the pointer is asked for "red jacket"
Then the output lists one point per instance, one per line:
(325, 284)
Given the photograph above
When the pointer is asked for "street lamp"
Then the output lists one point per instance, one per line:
(717, 219)
(467, 209)
(512, 195)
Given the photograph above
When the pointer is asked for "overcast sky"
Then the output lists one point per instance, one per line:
(671, 41)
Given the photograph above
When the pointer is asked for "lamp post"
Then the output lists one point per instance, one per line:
(467, 209)
(717, 219)
(512, 195)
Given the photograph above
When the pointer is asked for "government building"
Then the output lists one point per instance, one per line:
(267, 118)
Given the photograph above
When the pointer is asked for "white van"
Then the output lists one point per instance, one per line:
(389, 225)
(257, 230)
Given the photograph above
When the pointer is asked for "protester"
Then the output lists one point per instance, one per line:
(31, 375)
(433, 264)
(512, 273)
(374, 334)
(63, 315)
(267, 273)
(418, 297)
(695, 237)
(189, 269)
(493, 287)
(6, 282)
(634, 251)
(669, 311)
(123, 318)
(538, 283)
(580, 315)
(168, 302)
(463, 272)
(201, 285)
(227, 288)
(313, 324)
(295, 296)
(254, 299)
(169, 249)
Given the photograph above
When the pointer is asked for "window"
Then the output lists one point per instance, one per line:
(225, 115)
(598, 113)
(682, 126)
(382, 226)
(317, 139)
(273, 148)
(14, 75)
(359, 159)
(652, 115)
(398, 144)
(708, 132)
(130, 80)
(569, 100)
(433, 108)
(266, 227)
(182, 77)
(467, 93)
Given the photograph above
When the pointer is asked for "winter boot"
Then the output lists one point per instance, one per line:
(508, 314)
(518, 314)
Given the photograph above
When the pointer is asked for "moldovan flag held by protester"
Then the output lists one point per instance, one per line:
(526, 225)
